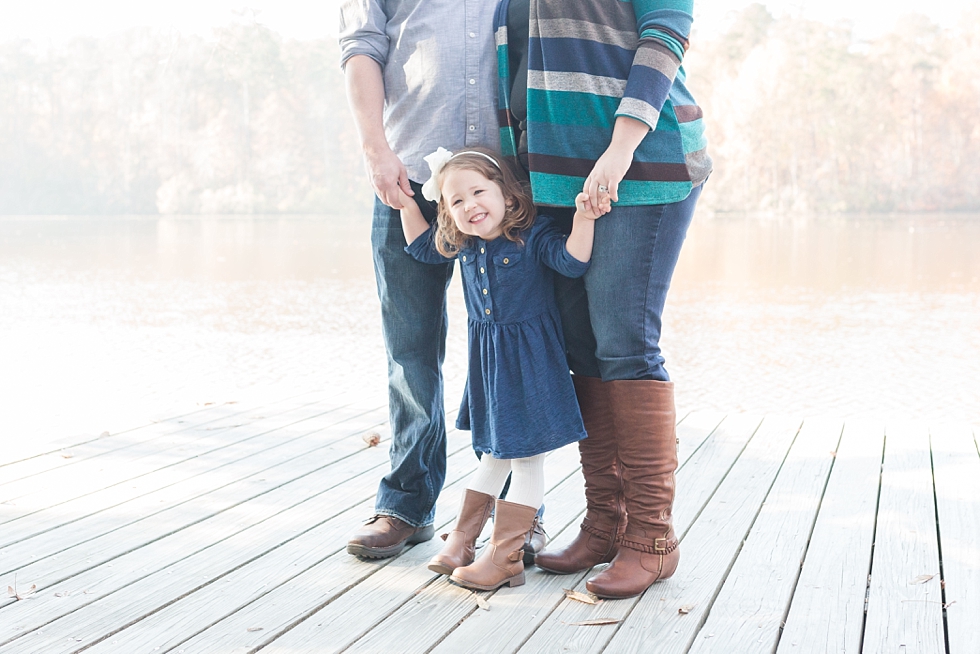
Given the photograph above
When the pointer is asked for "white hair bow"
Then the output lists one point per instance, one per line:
(436, 160)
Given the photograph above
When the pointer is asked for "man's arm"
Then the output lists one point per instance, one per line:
(366, 96)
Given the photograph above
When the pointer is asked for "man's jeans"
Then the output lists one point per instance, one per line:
(611, 317)
(414, 321)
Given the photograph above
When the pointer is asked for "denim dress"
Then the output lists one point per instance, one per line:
(519, 400)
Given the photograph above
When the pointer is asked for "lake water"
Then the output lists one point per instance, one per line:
(108, 322)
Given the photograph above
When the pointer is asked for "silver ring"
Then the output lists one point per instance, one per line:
(603, 189)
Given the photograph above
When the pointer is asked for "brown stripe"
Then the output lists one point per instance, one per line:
(504, 118)
(638, 171)
(687, 113)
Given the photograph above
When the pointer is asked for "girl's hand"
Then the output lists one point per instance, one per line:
(585, 209)
(403, 198)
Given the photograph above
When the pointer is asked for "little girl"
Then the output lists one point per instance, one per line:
(519, 402)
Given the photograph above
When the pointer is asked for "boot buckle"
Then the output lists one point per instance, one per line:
(661, 544)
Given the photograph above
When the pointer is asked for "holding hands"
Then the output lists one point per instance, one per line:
(584, 207)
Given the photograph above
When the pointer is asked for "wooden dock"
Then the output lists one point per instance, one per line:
(224, 530)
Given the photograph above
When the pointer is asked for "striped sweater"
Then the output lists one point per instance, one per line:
(590, 61)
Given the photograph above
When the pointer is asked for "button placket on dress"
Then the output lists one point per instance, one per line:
(483, 279)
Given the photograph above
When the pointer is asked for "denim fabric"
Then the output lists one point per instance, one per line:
(519, 400)
(414, 322)
(612, 316)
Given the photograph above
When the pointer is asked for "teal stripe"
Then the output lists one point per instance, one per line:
(642, 7)
(503, 62)
(560, 191)
(692, 136)
(571, 108)
(508, 143)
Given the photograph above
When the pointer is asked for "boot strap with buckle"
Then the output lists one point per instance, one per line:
(660, 545)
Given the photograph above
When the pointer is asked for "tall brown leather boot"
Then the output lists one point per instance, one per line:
(605, 516)
(460, 547)
(644, 415)
(502, 560)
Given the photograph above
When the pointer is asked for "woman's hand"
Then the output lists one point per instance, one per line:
(602, 184)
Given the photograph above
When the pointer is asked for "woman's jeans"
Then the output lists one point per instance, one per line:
(414, 322)
(611, 316)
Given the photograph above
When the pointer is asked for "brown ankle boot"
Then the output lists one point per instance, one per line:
(605, 517)
(645, 428)
(502, 561)
(460, 547)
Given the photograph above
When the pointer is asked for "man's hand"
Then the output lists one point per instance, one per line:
(388, 176)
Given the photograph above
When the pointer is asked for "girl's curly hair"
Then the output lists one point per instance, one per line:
(519, 214)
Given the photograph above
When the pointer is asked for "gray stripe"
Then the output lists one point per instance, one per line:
(580, 29)
(642, 111)
(698, 165)
(500, 36)
(600, 12)
(576, 82)
(658, 59)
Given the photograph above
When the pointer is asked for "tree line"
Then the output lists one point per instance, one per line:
(801, 117)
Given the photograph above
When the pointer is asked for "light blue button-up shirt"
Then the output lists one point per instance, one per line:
(440, 75)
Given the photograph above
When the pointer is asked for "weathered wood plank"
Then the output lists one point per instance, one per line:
(693, 430)
(164, 495)
(697, 481)
(70, 451)
(827, 612)
(709, 548)
(385, 592)
(53, 487)
(904, 603)
(528, 607)
(86, 489)
(126, 526)
(291, 604)
(748, 612)
(194, 551)
(308, 505)
(443, 598)
(956, 471)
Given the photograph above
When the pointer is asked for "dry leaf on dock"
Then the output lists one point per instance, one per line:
(921, 579)
(372, 439)
(684, 610)
(255, 629)
(580, 597)
(482, 603)
(16, 594)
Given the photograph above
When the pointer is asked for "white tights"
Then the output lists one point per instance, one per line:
(526, 484)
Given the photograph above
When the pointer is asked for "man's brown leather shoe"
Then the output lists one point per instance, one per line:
(384, 536)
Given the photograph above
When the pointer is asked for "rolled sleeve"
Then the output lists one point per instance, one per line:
(549, 246)
(663, 27)
(362, 31)
(423, 248)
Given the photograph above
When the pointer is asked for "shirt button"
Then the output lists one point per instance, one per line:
(482, 271)
(464, 257)
(472, 128)
(472, 35)
(472, 81)
(482, 250)
(484, 291)
(488, 312)
(506, 261)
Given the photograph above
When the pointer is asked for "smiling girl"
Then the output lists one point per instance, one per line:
(519, 402)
